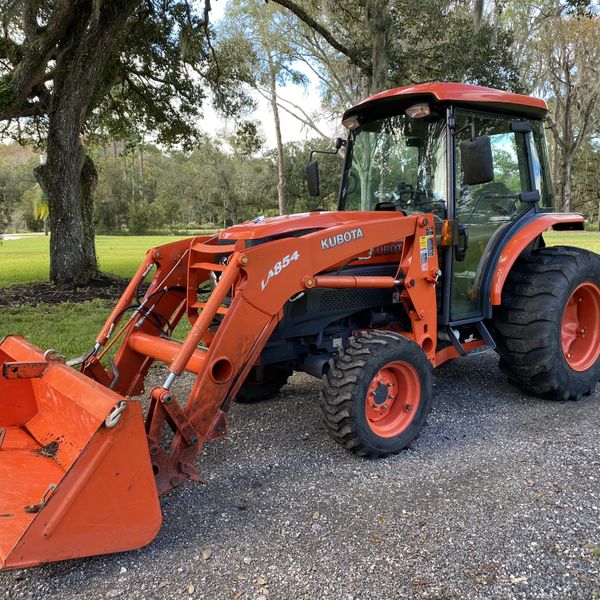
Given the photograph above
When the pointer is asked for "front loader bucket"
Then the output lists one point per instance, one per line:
(75, 474)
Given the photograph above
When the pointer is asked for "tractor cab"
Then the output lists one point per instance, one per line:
(471, 156)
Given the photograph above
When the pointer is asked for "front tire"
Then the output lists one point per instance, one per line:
(548, 327)
(263, 383)
(378, 394)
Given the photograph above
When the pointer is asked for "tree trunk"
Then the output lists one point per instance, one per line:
(566, 180)
(68, 178)
(68, 181)
(281, 179)
(556, 152)
(377, 17)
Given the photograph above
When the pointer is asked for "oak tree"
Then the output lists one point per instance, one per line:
(70, 69)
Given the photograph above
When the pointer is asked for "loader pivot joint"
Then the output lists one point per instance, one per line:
(176, 414)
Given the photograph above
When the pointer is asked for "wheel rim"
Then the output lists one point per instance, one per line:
(581, 327)
(393, 399)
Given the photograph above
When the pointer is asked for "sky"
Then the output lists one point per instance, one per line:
(291, 128)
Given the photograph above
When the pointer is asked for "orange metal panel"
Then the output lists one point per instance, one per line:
(97, 481)
(106, 503)
(519, 242)
(459, 92)
(450, 352)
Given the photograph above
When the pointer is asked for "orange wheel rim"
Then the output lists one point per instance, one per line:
(581, 327)
(393, 399)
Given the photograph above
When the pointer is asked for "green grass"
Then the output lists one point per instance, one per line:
(69, 327)
(589, 240)
(26, 260)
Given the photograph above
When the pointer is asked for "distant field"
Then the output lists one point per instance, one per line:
(590, 240)
(26, 260)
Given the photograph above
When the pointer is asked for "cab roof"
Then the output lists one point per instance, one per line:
(460, 94)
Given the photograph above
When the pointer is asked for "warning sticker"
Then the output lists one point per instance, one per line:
(424, 265)
(430, 245)
(424, 254)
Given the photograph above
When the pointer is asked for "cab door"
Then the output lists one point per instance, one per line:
(483, 211)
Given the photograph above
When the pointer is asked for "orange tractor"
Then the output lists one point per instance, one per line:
(436, 251)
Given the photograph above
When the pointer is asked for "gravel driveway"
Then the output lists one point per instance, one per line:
(500, 497)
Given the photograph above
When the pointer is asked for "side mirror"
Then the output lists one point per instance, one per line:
(477, 161)
(312, 178)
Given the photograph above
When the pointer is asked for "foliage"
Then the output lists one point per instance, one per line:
(569, 56)
(158, 73)
(4, 212)
(98, 67)
(385, 43)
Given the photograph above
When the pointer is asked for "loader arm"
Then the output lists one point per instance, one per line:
(257, 283)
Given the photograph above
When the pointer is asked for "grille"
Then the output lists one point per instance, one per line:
(336, 300)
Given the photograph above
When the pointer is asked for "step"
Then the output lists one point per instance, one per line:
(207, 266)
(213, 249)
(222, 310)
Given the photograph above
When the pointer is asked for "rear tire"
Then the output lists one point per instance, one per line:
(548, 326)
(378, 394)
(263, 383)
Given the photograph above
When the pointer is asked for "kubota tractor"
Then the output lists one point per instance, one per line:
(436, 251)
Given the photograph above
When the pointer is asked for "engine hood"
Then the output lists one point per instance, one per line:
(292, 225)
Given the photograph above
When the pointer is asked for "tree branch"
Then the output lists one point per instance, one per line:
(324, 33)
(305, 119)
(36, 52)
(20, 112)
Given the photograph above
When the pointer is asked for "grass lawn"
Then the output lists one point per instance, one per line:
(72, 327)
(590, 240)
(68, 327)
(26, 260)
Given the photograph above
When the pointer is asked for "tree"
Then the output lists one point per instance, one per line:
(265, 31)
(35, 199)
(377, 44)
(73, 67)
(4, 212)
(570, 59)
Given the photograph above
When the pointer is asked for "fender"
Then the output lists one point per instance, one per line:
(521, 239)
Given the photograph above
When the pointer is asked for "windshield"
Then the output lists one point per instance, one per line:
(397, 163)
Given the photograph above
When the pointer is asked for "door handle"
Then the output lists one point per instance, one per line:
(462, 244)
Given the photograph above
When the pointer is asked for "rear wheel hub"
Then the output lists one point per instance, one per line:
(581, 327)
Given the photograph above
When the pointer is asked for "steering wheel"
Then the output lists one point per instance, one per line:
(506, 208)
